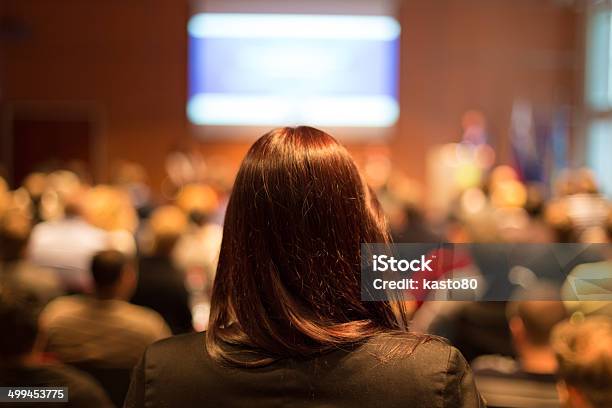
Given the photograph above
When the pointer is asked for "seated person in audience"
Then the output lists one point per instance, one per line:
(22, 364)
(161, 285)
(579, 298)
(102, 330)
(529, 381)
(111, 209)
(475, 328)
(39, 285)
(67, 245)
(197, 251)
(287, 326)
(584, 354)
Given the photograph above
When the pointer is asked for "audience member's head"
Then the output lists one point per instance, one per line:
(586, 181)
(74, 204)
(167, 224)
(113, 275)
(532, 315)
(197, 199)
(288, 276)
(126, 173)
(35, 184)
(556, 215)
(64, 183)
(19, 326)
(15, 229)
(536, 193)
(584, 353)
(110, 209)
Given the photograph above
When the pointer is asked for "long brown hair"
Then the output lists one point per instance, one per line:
(288, 281)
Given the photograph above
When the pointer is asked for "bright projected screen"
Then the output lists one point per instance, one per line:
(287, 69)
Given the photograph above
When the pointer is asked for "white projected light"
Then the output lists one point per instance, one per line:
(303, 26)
(285, 69)
(220, 109)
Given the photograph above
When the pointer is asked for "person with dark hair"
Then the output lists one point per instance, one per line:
(21, 364)
(585, 362)
(161, 284)
(529, 381)
(104, 329)
(287, 324)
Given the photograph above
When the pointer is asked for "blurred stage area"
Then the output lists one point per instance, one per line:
(90, 85)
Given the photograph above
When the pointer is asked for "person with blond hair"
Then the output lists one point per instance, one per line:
(110, 209)
(584, 356)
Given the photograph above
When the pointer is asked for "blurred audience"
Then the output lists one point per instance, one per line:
(54, 224)
(161, 285)
(102, 329)
(23, 365)
(584, 354)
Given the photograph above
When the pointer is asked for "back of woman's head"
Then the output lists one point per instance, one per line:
(288, 283)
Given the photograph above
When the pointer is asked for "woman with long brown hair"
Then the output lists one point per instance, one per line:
(287, 324)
